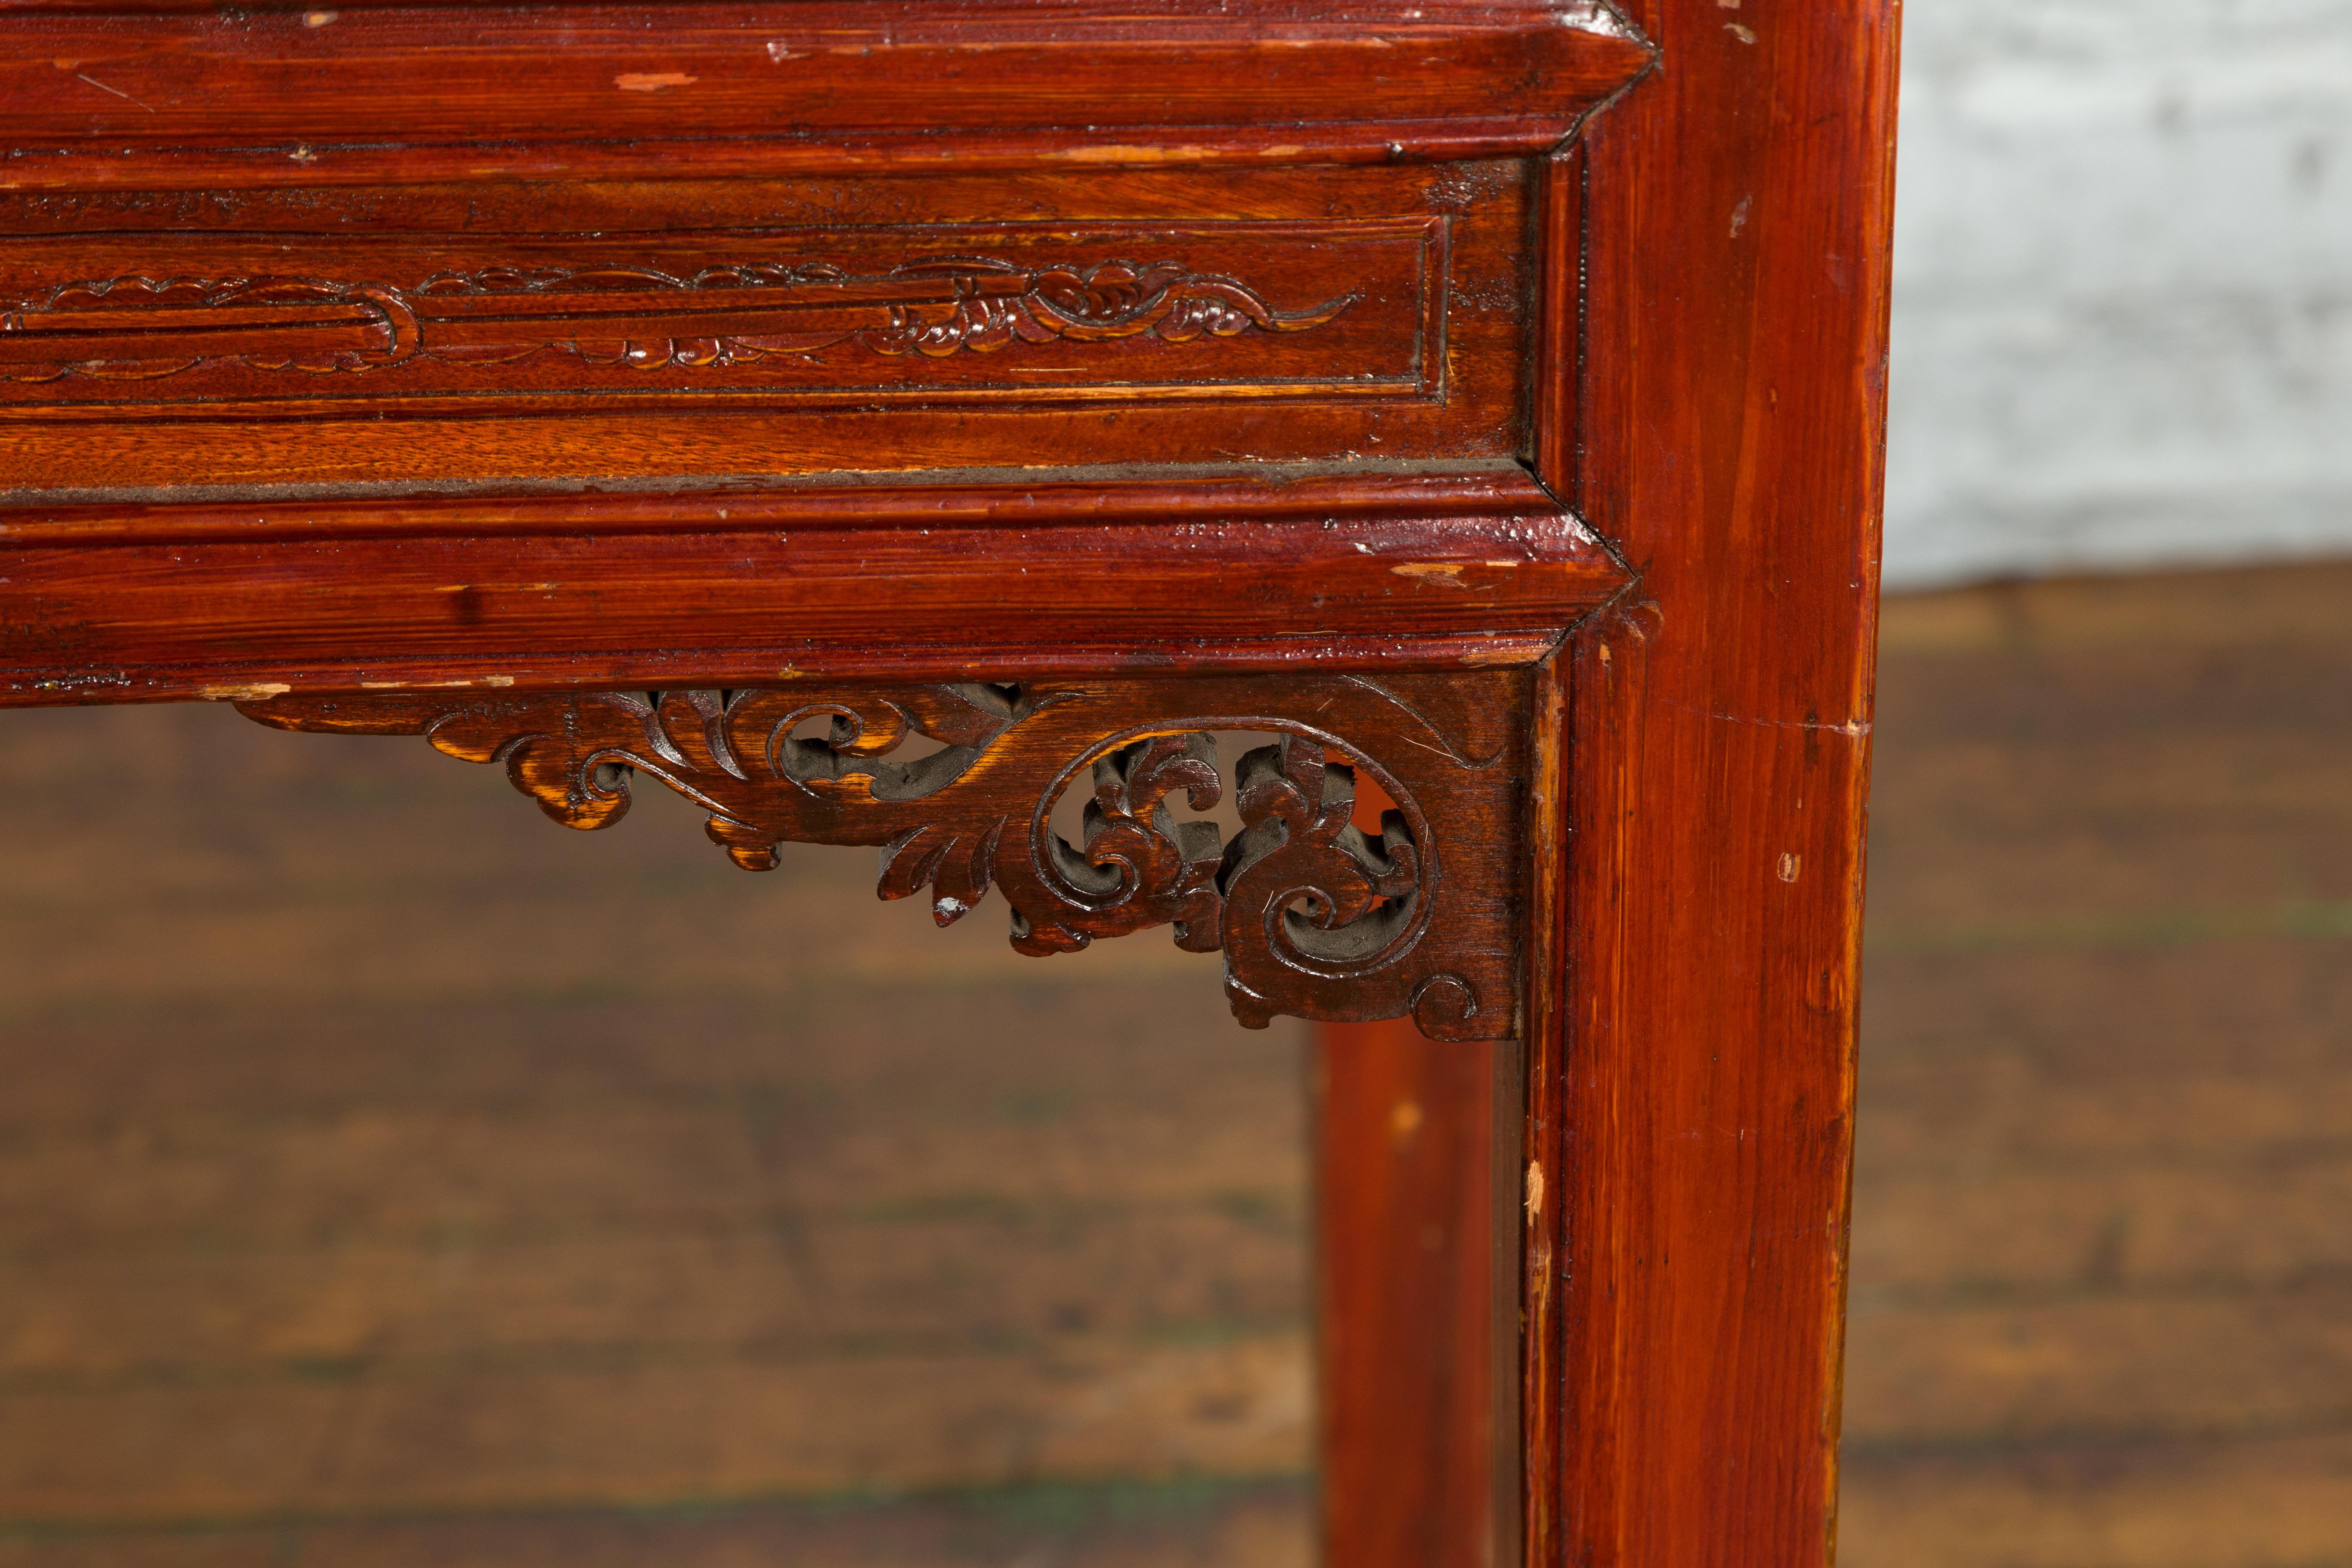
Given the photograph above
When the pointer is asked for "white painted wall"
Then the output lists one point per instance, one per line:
(2122, 285)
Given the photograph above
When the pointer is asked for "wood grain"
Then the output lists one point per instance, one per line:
(1415, 1275)
(115, 602)
(2101, 1277)
(907, 1170)
(2099, 1266)
(935, 317)
(1677, 321)
(1734, 352)
(180, 97)
(1424, 361)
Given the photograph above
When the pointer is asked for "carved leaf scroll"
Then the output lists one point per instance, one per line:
(1316, 915)
(137, 328)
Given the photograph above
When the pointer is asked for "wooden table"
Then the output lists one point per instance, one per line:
(877, 421)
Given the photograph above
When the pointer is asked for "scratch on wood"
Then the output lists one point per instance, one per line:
(653, 81)
(1128, 152)
(115, 91)
(1857, 728)
(460, 683)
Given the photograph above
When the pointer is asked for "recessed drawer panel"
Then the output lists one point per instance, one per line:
(529, 331)
(965, 314)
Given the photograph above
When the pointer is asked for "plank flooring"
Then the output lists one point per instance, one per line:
(2101, 1310)
(389, 1177)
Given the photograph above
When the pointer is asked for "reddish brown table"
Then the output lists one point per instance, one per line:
(879, 420)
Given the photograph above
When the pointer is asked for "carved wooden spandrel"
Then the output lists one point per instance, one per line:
(1315, 916)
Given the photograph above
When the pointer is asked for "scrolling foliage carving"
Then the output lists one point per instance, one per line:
(1316, 914)
(138, 328)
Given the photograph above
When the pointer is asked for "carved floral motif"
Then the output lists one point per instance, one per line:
(136, 328)
(1314, 915)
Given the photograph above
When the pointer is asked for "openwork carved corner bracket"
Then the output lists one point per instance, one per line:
(1322, 910)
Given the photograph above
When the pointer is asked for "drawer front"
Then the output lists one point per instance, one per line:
(402, 343)
(263, 328)
(519, 330)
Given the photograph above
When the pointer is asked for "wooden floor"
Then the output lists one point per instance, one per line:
(388, 1177)
(2101, 1302)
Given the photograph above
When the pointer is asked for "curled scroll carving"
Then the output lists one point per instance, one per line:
(1316, 915)
(640, 317)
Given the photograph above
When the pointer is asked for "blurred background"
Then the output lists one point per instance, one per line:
(2123, 287)
(441, 1186)
(2101, 1306)
(434, 1184)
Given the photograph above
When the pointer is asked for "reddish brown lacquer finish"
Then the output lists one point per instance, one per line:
(1480, 405)
(768, 585)
(274, 95)
(1416, 1219)
(803, 318)
(559, 330)
(1695, 1129)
